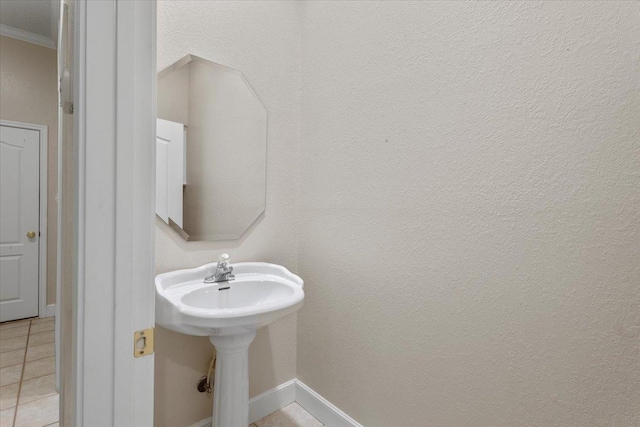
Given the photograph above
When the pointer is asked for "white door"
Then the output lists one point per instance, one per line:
(19, 222)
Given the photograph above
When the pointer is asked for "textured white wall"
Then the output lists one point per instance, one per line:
(470, 212)
(262, 39)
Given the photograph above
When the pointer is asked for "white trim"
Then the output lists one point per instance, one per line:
(114, 129)
(294, 391)
(42, 238)
(50, 311)
(42, 273)
(323, 410)
(202, 423)
(79, 138)
(134, 179)
(266, 403)
(61, 59)
(272, 400)
(26, 36)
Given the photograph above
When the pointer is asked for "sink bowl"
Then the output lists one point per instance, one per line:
(260, 294)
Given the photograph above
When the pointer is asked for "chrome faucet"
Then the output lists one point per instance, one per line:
(223, 271)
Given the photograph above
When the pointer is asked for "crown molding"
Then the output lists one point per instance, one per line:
(26, 36)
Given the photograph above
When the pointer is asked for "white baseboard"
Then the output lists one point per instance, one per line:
(50, 312)
(272, 400)
(294, 391)
(203, 423)
(323, 410)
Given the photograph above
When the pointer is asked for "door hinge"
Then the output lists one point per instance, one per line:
(143, 342)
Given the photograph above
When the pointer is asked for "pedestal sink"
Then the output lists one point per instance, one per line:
(229, 313)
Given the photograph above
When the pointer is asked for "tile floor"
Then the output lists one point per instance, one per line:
(292, 415)
(28, 396)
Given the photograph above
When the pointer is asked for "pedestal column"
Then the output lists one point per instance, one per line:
(231, 386)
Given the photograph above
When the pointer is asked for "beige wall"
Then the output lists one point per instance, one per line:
(470, 212)
(173, 96)
(29, 93)
(261, 39)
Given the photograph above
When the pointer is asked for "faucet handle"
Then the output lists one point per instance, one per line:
(223, 259)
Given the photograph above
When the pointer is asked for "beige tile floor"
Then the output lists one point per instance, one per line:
(28, 396)
(292, 415)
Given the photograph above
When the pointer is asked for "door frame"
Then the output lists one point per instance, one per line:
(42, 238)
(114, 219)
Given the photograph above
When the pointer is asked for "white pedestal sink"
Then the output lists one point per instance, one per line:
(229, 313)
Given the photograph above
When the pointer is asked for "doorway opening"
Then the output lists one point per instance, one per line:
(28, 213)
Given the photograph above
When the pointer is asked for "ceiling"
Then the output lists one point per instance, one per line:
(33, 16)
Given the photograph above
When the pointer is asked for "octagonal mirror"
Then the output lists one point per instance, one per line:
(210, 150)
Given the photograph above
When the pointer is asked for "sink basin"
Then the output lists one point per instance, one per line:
(229, 313)
(260, 294)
